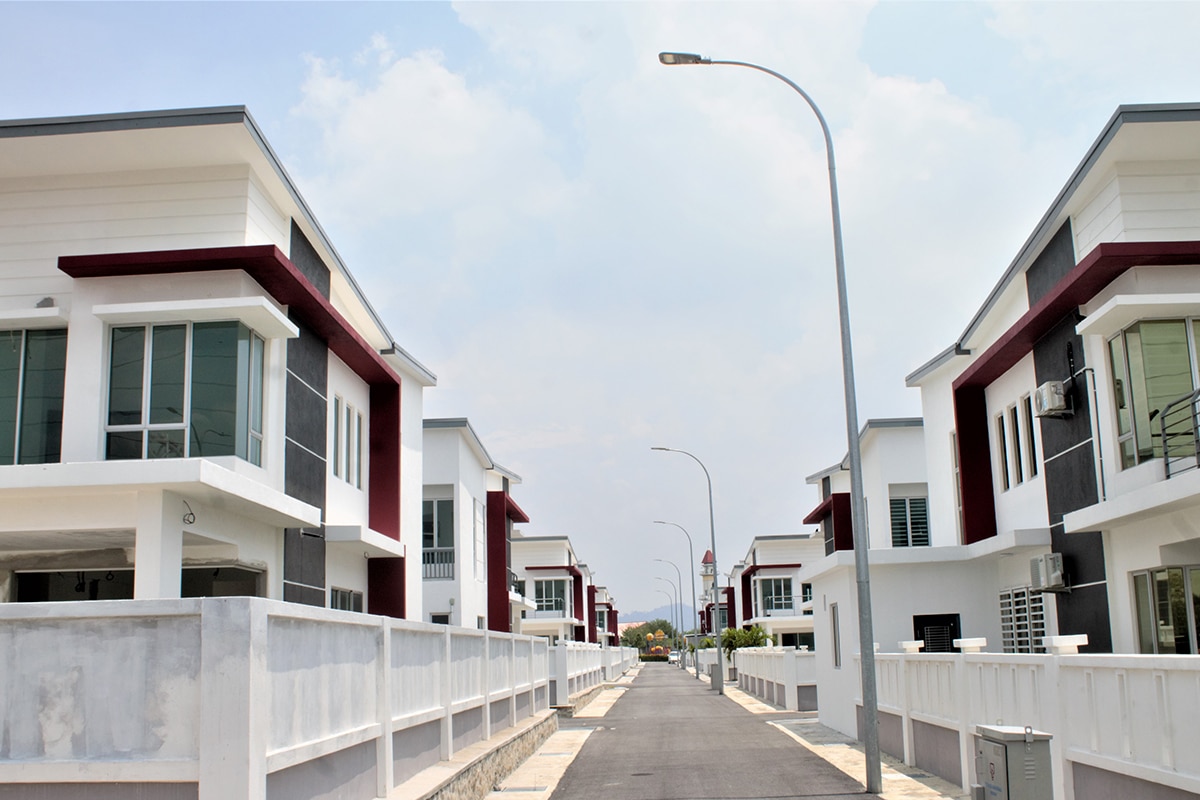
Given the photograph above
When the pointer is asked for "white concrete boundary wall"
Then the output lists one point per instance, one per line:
(1116, 718)
(249, 698)
(783, 676)
(576, 667)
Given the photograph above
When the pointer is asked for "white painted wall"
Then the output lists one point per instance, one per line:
(1023, 505)
(937, 411)
(412, 415)
(346, 504)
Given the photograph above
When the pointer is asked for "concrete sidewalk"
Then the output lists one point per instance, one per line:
(663, 735)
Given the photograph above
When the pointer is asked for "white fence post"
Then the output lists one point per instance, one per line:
(383, 748)
(234, 699)
(448, 700)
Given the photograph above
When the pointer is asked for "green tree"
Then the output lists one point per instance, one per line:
(733, 638)
(636, 636)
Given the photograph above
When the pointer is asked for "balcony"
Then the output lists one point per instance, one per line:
(437, 563)
(1180, 436)
(551, 608)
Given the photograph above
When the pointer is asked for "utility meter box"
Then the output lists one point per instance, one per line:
(1013, 763)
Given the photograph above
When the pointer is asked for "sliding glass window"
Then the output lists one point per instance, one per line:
(32, 372)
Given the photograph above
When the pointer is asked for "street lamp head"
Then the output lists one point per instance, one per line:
(671, 59)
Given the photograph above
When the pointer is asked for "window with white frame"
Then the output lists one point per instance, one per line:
(836, 632)
(776, 596)
(1030, 437)
(347, 455)
(551, 596)
(909, 511)
(958, 507)
(1153, 364)
(437, 539)
(185, 390)
(32, 371)
(345, 600)
(1167, 604)
(1016, 450)
(1022, 620)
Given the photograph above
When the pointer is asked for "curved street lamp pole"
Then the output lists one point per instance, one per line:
(858, 511)
(670, 597)
(691, 572)
(712, 533)
(674, 598)
(679, 587)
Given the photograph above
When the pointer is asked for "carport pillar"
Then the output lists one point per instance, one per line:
(158, 546)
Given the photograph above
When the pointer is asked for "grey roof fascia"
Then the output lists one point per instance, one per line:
(192, 117)
(464, 425)
(1137, 113)
(935, 363)
(508, 473)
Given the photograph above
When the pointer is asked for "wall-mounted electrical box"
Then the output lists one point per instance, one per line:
(1046, 572)
(1013, 763)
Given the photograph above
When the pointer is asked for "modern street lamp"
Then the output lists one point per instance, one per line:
(712, 533)
(692, 571)
(670, 597)
(858, 511)
(679, 586)
(676, 603)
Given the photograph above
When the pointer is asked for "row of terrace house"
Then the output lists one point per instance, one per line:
(197, 399)
(1050, 487)
(479, 570)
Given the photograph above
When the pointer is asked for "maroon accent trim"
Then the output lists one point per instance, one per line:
(383, 444)
(385, 587)
(731, 604)
(747, 597)
(579, 604)
(570, 569)
(818, 514)
(280, 278)
(1085, 280)
(837, 506)
(513, 510)
(272, 270)
(975, 464)
(590, 619)
(613, 625)
(499, 618)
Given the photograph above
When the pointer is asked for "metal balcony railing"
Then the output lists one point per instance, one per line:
(1179, 429)
(438, 563)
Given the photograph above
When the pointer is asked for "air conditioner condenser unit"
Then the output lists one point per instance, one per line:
(1050, 400)
(1046, 572)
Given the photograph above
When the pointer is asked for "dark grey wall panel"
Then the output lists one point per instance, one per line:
(305, 595)
(935, 749)
(308, 356)
(303, 557)
(304, 475)
(806, 697)
(1085, 610)
(306, 423)
(468, 728)
(1099, 784)
(348, 774)
(1070, 482)
(891, 733)
(1051, 266)
(99, 791)
(414, 749)
(305, 257)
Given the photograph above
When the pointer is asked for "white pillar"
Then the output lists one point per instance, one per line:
(158, 547)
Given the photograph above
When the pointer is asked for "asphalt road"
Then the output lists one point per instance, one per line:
(671, 737)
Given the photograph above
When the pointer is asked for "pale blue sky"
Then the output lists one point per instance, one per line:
(597, 254)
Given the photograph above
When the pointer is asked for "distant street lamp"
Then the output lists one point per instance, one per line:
(712, 533)
(858, 510)
(670, 598)
(676, 600)
(679, 586)
(691, 572)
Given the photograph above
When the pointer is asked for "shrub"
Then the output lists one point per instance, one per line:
(647, 657)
